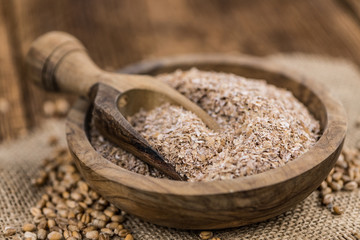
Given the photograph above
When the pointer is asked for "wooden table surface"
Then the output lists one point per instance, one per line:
(118, 33)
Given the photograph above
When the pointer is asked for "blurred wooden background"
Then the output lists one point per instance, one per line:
(119, 32)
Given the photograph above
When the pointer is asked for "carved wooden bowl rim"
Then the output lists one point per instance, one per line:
(331, 139)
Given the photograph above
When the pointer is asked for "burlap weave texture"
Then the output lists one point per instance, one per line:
(19, 161)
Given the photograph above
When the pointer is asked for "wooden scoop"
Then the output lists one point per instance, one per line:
(59, 62)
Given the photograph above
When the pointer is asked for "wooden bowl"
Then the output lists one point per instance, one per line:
(216, 204)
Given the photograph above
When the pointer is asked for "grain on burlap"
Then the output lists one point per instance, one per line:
(20, 160)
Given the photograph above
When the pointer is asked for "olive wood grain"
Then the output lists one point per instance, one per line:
(225, 203)
(58, 62)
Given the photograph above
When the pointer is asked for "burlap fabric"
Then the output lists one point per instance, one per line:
(20, 160)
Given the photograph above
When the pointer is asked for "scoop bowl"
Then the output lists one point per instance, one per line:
(216, 204)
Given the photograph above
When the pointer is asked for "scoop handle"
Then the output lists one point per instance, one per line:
(58, 61)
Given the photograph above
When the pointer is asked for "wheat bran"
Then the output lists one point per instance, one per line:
(263, 127)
